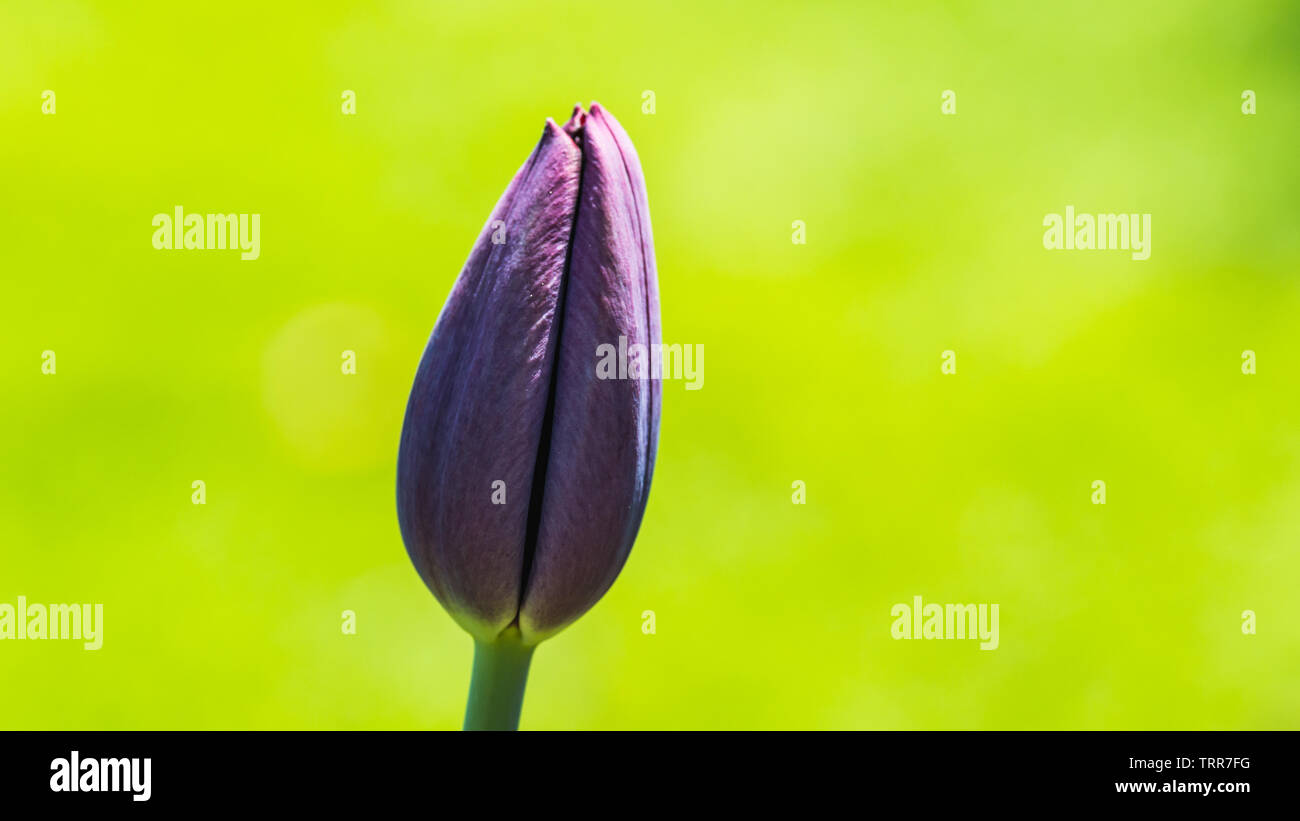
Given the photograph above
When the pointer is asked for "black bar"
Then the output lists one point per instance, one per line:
(439, 771)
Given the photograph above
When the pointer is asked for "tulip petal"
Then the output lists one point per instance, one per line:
(604, 431)
(477, 407)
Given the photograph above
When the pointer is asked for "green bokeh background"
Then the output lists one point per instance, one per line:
(822, 360)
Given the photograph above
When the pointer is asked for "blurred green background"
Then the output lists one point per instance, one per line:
(924, 234)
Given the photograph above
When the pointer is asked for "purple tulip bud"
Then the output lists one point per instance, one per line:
(522, 476)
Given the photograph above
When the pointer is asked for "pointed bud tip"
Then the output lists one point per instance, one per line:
(576, 122)
(551, 129)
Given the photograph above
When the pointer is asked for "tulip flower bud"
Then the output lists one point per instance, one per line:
(522, 475)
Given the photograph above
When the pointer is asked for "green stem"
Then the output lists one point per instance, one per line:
(496, 688)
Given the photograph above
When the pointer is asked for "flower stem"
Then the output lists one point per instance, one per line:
(496, 687)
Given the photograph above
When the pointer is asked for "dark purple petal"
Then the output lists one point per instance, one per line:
(604, 432)
(477, 406)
